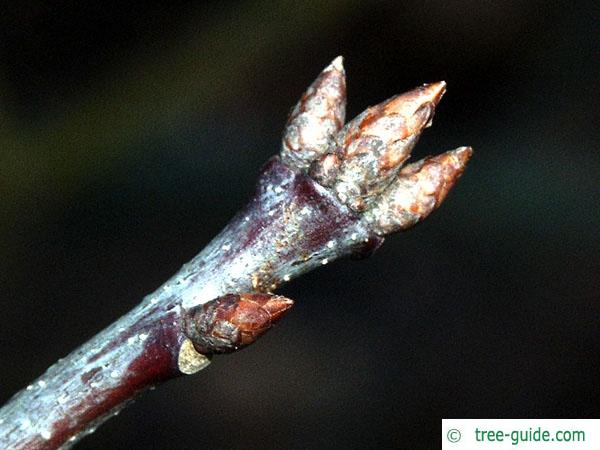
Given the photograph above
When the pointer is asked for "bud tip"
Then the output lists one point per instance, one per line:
(338, 63)
(276, 305)
(435, 91)
(463, 154)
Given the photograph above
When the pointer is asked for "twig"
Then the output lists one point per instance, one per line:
(334, 191)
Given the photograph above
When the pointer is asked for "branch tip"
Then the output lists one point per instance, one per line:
(290, 226)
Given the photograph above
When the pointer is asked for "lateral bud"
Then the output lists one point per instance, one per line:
(316, 119)
(233, 321)
(418, 189)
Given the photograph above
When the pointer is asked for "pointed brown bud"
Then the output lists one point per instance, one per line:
(233, 321)
(418, 189)
(316, 119)
(374, 145)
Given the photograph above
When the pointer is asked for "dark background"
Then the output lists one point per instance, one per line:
(131, 133)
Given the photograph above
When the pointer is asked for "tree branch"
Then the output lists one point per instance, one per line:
(332, 192)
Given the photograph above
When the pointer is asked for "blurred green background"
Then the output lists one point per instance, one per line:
(130, 133)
